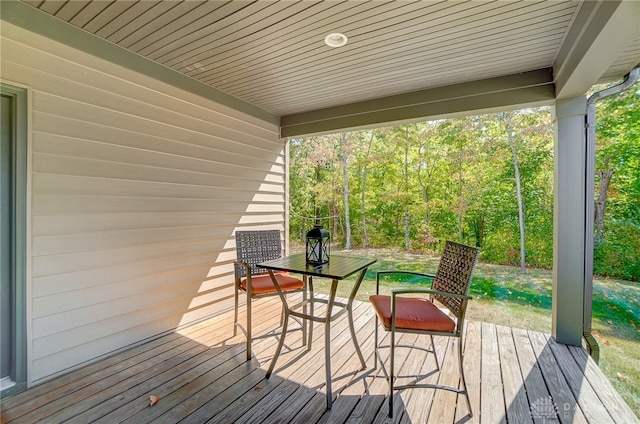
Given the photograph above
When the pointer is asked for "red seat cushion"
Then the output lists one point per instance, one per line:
(261, 283)
(412, 313)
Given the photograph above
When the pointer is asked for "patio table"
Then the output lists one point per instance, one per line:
(338, 268)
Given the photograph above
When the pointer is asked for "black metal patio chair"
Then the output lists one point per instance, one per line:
(252, 248)
(416, 311)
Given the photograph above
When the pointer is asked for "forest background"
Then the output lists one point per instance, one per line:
(482, 180)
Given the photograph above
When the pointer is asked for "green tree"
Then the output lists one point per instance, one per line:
(415, 185)
(617, 223)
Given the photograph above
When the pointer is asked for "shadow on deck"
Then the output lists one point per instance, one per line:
(200, 375)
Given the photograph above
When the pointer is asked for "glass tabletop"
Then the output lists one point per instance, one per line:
(338, 267)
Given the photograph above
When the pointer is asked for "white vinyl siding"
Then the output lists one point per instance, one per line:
(137, 189)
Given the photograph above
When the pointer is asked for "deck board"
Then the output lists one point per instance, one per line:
(514, 389)
(492, 402)
(445, 403)
(201, 375)
(472, 367)
(618, 409)
(534, 384)
(563, 400)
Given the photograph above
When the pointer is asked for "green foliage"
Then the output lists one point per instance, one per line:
(618, 255)
(415, 185)
(618, 149)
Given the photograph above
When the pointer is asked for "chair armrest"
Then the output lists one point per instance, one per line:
(389, 272)
(242, 264)
(396, 292)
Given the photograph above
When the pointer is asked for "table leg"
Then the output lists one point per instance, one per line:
(350, 312)
(304, 310)
(311, 297)
(327, 341)
(285, 308)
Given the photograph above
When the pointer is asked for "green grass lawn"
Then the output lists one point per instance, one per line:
(502, 295)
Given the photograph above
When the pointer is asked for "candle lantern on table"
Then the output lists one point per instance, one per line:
(318, 245)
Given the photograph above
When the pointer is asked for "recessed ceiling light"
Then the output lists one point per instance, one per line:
(335, 39)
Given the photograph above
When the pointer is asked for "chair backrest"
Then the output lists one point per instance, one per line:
(253, 247)
(454, 274)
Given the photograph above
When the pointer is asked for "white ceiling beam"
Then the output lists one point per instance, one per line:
(595, 41)
(527, 89)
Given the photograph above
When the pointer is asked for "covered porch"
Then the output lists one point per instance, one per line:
(148, 133)
(200, 375)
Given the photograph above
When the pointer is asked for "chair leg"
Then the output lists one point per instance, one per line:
(464, 383)
(391, 370)
(249, 335)
(375, 346)
(435, 354)
(305, 321)
(235, 313)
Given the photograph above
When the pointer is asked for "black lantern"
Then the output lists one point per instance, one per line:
(317, 245)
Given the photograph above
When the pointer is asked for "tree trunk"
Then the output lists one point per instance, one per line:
(407, 243)
(335, 213)
(345, 180)
(424, 179)
(601, 203)
(516, 170)
(479, 230)
(427, 215)
(365, 237)
(460, 199)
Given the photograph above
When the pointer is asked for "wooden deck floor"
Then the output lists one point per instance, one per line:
(200, 375)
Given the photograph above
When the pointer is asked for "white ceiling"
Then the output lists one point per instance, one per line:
(271, 53)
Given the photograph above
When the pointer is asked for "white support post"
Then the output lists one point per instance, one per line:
(569, 220)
